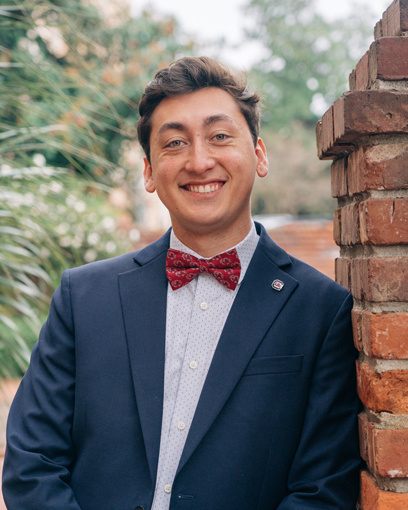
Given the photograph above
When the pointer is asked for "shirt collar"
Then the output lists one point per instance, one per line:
(245, 248)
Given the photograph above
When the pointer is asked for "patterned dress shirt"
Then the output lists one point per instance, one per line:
(196, 314)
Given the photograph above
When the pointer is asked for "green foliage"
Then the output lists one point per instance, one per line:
(39, 109)
(70, 80)
(306, 67)
(49, 220)
(309, 59)
(76, 79)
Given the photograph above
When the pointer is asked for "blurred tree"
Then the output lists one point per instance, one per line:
(306, 67)
(297, 182)
(92, 69)
(70, 79)
(308, 58)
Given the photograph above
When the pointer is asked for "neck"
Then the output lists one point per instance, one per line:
(211, 243)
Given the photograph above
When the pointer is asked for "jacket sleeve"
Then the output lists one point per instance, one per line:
(39, 452)
(325, 470)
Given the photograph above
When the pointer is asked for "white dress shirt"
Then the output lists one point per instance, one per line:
(196, 314)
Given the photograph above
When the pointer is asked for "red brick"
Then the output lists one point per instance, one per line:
(383, 392)
(352, 80)
(362, 74)
(378, 30)
(337, 226)
(324, 132)
(381, 167)
(395, 19)
(342, 271)
(373, 498)
(388, 25)
(339, 178)
(388, 452)
(380, 279)
(368, 112)
(388, 59)
(319, 142)
(356, 317)
(403, 12)
(363, 434)
(350, 225)
(327, 128)
(358, 174)
(326, 148)
(358, 275)
(384, 335)
(384, 221)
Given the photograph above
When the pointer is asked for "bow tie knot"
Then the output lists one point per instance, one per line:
(182, 267)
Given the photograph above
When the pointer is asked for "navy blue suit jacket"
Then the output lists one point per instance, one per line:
(275, 426)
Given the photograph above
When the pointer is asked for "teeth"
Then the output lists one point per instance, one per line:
(204, 189)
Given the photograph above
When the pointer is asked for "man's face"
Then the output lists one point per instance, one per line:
(203, 163)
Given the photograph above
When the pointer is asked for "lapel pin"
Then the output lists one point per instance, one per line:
(277, 285)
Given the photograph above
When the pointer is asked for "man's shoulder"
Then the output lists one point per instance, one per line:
(118, 264)
(122, 263)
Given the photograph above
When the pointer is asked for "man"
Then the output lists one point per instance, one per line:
(154, 392)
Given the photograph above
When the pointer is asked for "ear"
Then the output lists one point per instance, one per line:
(148, 177)
(262, 167)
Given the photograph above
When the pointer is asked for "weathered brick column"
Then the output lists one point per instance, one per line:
(365, 132)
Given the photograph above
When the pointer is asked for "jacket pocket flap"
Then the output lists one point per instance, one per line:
(275, 365)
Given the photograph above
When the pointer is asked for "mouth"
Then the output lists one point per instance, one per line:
(203, 188)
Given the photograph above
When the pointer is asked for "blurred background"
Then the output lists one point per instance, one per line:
(71, 75)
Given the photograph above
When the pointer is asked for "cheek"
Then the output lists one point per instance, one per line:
(244, 168)
(243, 161)
(165, 187)
(166, 171)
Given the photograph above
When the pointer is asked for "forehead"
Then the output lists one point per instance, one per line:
(195, 108)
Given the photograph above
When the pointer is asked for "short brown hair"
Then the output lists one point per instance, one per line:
(188, 75)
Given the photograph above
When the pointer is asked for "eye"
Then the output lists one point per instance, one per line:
(175, 143)
(220, 137)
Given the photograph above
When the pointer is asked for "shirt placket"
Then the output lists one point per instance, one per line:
(197, 357)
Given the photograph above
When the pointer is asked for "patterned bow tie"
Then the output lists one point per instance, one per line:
(181, 268)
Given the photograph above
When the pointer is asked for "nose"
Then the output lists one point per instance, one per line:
(200, 158)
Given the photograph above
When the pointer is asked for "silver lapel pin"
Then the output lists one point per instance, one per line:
(277, 285)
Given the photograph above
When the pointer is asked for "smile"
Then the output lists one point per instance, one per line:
(207, 188)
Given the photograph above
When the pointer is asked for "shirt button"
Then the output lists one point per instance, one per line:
(193, 365)
(203, 306)
(167, 488)
(181, 425)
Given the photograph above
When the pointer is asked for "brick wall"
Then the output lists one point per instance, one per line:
(365, 132)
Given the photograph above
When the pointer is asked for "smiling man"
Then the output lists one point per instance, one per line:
(202, 164)
(210, 370)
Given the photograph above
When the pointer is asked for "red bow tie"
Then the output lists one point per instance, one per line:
(181, 268)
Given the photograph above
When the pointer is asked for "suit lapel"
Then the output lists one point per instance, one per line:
(255, 308)
(143, 294)
(144, 298)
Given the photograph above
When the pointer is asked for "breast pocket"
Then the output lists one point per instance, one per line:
(274, 365)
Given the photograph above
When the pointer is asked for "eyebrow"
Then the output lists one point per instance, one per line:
(222, 117)
(208, 121)
(178, 126)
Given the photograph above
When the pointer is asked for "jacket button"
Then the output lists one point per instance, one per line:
(140, 507)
